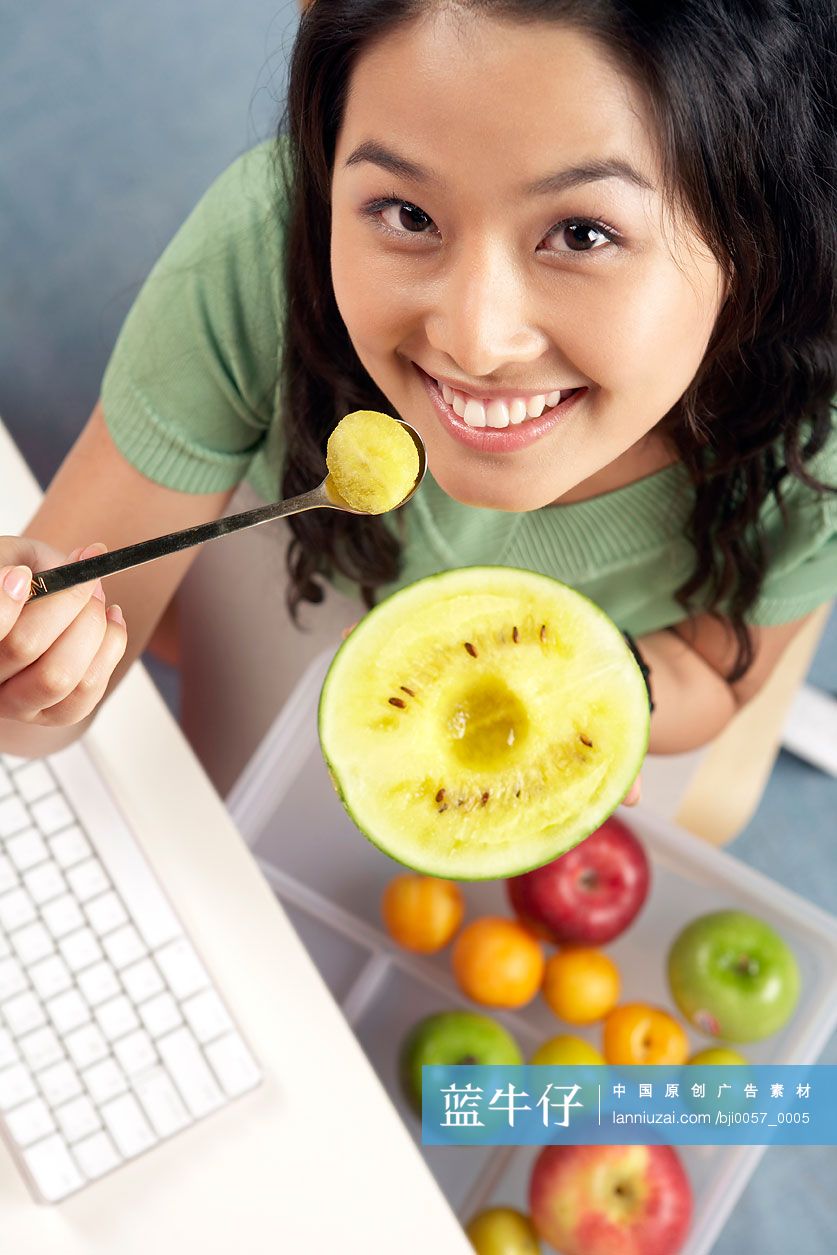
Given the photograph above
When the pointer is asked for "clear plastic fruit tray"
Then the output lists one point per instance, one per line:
(329, 879)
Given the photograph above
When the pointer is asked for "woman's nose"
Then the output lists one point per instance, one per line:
(483, 316)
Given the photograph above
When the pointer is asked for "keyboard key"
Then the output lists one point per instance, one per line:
(185, 1062)
(5, 783)
(142, 980)
(16, 909)
(34, 780)
(70, 847)
(135, 1052)
(59, 1083)
(116, 1018)
(68, 1011)
(27, 849)
(8, 1051)
(233, 1064)
(207, 1016)
(161, 1103)
(105, 913)
(52, 813)
(16, 1086)
(32, 943)
(44, 882)
(87, 879)
(182, 968)
(62, 916)
(80, 949)
(77, 1118)
(13, 816)
(12, 978)
(96, 1155)
(23, 1013)
(98, 983)
(52, 1168)
(104, 1080)
(127, 1125)
(41, 1048)
(30, 1122)
(160, 1014)
(8, 875)
(86, 1045)
(119, 851)
(124, 946)
(51, 976)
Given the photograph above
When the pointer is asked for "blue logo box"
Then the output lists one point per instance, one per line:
(721, 1105)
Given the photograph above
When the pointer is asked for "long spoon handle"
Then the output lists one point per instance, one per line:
(60, 577)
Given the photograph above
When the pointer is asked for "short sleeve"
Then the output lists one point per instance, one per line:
(190, 388)
(802, 569)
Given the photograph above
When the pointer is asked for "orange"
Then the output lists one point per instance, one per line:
(498, 962)
(639, 1033)
(422, 913)
(581, 984)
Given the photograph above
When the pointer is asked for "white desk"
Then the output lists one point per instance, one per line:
(316, 1159)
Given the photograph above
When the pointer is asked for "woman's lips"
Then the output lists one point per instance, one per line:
(496, 439)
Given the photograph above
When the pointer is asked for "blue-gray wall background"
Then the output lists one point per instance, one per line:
(114, 118)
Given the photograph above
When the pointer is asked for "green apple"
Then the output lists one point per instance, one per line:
(453, 1037)
(733, 976)
(503, 1231)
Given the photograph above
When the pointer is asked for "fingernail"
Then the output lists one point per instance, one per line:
(17, 582)
(115, 615)
(98, 591)
(92, 550)
(74, 556)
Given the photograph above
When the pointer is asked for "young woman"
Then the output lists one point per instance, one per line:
(587, 250)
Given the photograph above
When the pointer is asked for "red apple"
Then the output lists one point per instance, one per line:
(590, 894)
(611, 1200)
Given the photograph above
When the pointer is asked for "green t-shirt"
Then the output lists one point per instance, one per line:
(190, 396)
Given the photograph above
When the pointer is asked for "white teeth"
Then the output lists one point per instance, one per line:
(497, 414)
(474, 414)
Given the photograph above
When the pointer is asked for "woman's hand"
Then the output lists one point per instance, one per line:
(634, 793)
(57, 653)
(631, 797)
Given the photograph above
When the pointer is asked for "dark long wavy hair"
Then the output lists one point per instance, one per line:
(742, 93)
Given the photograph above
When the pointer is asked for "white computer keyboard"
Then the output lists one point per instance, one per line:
(112, 1034)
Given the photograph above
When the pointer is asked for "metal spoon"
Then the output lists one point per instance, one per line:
(324, 496)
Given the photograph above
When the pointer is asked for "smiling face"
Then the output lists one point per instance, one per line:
(592, 285)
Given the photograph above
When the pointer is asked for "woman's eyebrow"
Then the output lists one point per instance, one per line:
(588, 172)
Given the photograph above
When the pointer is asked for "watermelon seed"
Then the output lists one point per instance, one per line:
(517, 794)
(443, 807)
(584, 741)
(396, 701)
(543, 631)
(440, 796)
(515, 635)
(470, 649)
(485, 797)
(404, 689)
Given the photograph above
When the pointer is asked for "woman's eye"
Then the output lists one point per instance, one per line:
(578, 235)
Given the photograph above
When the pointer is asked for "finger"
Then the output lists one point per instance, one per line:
(634, 793)
(349, 629)
(31, 634)
(15, 582)
(56, 673)
(91, 688)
